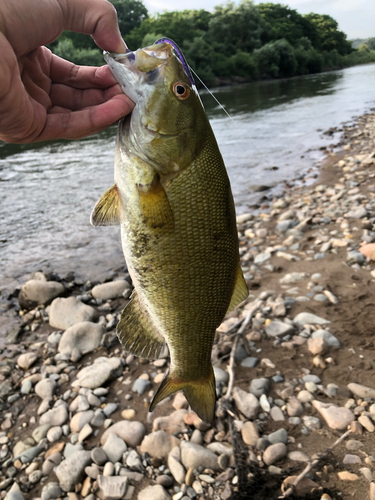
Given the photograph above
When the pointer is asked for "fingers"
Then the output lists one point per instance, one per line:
(97, 18)
(76, 99)
(80, 77)
(77, 124)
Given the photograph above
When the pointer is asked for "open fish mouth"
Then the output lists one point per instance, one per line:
(135, 69)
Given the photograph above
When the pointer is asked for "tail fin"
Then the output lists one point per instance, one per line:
(201, 394)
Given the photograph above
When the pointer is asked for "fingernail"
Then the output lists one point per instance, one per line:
(122, 48)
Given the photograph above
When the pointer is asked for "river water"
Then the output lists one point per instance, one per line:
(47, 191)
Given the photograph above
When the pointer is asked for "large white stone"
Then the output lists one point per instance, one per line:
(85, 337)
(98, 373)
(67, 312)
(36, 292)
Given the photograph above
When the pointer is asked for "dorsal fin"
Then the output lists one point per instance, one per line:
(137, 333)
(240, 292)
(107, 211)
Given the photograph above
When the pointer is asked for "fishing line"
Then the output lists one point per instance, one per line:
(287, 188)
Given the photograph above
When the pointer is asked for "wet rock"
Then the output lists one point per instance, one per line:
(111, 290)
(114, 447)
(71, 470)
(159, 444)
(26, 360)
(274, 453)
(85, 337)
(97, 374)
(131, 432)
(193, 455)
(36, 292)
(65, 313)
(337, 418)
(246, 402)
(113, 487)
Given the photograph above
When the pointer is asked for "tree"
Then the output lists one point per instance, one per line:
(237, 28)
(287, 23)
(276, 59)
(130, 13)
(329, 35)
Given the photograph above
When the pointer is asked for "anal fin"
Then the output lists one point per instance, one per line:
(137, 333)
(107, 211)
(240, 292)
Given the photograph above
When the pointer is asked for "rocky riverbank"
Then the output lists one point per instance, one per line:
(75, 421)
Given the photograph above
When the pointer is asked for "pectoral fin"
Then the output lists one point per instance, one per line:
(107, 211)
(155, 207)
(137, 333)
(240, 292)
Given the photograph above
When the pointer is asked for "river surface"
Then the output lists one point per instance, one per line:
(48, 190)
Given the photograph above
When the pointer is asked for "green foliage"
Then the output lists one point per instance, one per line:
(276, 59)
(330, 38)
(84, 57)
(130, 14)
(288, 24)
(236, 40)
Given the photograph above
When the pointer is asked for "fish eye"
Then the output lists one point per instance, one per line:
(181, 90)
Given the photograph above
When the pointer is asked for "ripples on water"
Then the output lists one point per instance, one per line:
(47, 191)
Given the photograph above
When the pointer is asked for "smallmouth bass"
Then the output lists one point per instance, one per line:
(173, 199)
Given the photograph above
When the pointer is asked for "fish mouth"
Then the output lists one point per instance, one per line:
(135, 69)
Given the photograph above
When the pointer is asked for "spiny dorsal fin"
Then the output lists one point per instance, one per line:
(155, 207)
(107, 211)
(240, 292)
(137, 333)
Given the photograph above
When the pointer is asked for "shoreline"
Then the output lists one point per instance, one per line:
(299, 381)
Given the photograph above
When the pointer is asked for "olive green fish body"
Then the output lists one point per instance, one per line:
(180, 242)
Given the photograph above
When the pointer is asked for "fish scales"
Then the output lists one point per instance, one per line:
(178, 231)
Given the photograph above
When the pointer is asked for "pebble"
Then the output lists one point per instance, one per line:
(177, 469)
(71, 470)
(279, 329)
(317, 345)
(45, 389)
(132, 432)
(274, 453)
(336, 417)
(277, 414)
(114, 447)
(351, 459)
(298, 456)
(80, 419)
(111, 290)
(259, 386)
(112, 487)
(309, 319)
(156, 492)
(279, 436)
(97, 374)
(36, 292)
(347, 476)
(51, 491)
(361, 391)
(140, 385)
(25, 361)
(193, 455)
(246, 402)
(329, 339)
(366, 423)
(159, 444)
(294, 407)
(57, 416)
(65, 313)
(84, 336)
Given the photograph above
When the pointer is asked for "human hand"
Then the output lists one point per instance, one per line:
(44, 97)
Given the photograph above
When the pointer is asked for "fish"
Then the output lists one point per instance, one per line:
(173, 200)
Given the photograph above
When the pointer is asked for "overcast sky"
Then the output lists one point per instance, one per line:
(355, 17)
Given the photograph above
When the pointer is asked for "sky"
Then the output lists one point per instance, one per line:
(356, 18)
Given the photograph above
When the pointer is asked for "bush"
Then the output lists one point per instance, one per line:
(82, 57)
(276, 59)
